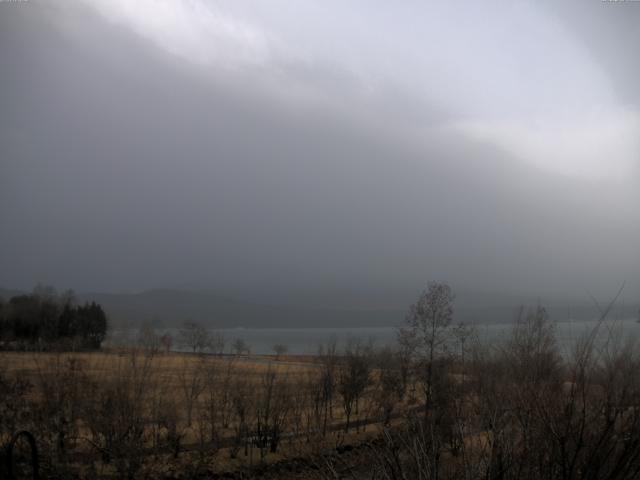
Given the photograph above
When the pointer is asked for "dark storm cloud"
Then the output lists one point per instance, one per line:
(126, 168)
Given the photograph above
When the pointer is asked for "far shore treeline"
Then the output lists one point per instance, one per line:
(45, 320)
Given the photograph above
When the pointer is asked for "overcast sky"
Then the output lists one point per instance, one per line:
(298, 145)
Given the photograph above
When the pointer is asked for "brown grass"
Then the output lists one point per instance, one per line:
(169, 373)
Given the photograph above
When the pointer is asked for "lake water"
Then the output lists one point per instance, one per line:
(307, 340)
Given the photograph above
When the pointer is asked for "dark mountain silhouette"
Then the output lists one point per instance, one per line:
(170, 307)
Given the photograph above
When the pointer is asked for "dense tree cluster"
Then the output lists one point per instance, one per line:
(44, 318)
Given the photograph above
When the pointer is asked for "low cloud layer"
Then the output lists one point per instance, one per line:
(319, 145)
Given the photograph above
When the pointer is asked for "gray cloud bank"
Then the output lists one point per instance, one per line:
(263, 152)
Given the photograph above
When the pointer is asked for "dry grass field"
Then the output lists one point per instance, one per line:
(518, 410)
(128, 411)
(169, 366)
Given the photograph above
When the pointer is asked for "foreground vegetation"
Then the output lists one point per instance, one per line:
(439, 406)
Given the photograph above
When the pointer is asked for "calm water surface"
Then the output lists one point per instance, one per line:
(307, 340)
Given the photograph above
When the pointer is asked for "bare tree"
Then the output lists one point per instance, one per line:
(427, 330)
(462, 334)
(56, 416)
(217, 343)
(354, 375)
(214, 392)
(426, 336)
(242, 401)
(532, 351)
(389, 386)
(217, 407)
(272, 406)
(313, 391)
(167, 419)
(191, 378)
(166, 340)
(116, 414)
(195, 337)
(148, 338)
(280, 349)
(329, 359)
(240, 347)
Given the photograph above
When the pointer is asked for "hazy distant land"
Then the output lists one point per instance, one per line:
(169, 308)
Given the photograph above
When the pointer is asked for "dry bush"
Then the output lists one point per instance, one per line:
(243, 411)
(389, 389)
(191, 380)
(57, 410)
(272, 404)
(15, 410)
(116, 413)
(524, 412)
